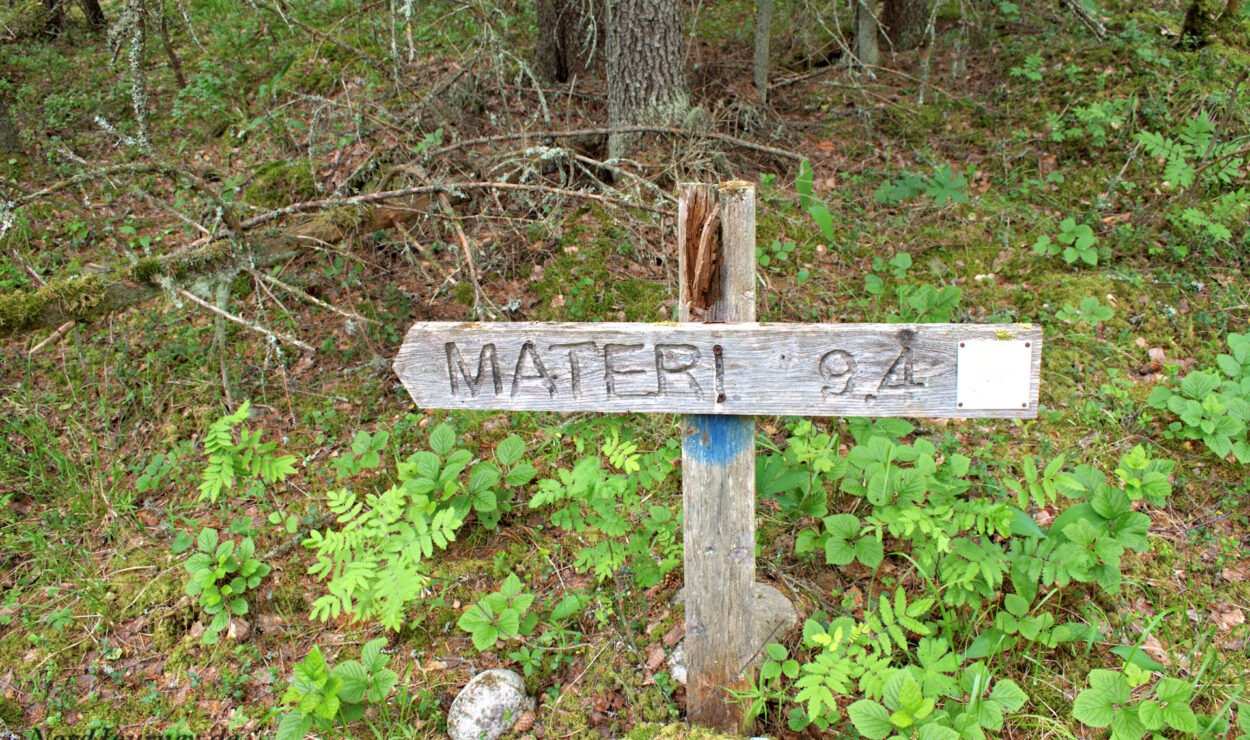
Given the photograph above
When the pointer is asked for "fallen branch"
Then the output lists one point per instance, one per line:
(88, 298)
(743, 143)
(387, 195)
(53, 338)
(469, 263)
(244, 322)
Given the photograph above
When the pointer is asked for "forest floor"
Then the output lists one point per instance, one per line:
(1019, 168)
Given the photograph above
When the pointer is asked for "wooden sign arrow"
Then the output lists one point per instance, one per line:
(914, 370)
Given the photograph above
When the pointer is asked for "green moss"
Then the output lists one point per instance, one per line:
(78, 298)
(280, 183)
(588, 279)
(147, 269)
(10, 713)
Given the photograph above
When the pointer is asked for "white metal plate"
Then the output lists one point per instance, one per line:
(993, 374)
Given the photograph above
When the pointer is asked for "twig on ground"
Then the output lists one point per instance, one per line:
(52, 338)
(1087, 18)
(620, 130)
(304, 294)
(469, 263)
(244, 322)
(381, 197)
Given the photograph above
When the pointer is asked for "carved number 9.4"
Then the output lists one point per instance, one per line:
(837, 367)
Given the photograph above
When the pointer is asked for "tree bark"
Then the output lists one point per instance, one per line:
(54, 17)
(9, 141)
(904, 22)
(95, 14)
(763, 32)
(1199, 23)
(571, 37)
(866, 30)
(646, 67)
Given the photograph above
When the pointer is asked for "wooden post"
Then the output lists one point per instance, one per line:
(716, 257)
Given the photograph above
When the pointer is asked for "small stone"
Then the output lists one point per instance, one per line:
(239, 630)
(677, 664)
(488, 706)
(773, 616)
(269, 624)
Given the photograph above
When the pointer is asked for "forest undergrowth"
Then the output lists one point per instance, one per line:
(220, 512)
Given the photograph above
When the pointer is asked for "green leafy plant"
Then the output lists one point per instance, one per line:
(777, 251)
(1094, 124)
(1196, 158)
(943, 186)
(152, 476)
(1109, 702)
(1091, 312)
(588, 497)
(501, 615)
(916, 303)
(322, 697)
(365, 454)
(842, 541)
(248, 459)
(1212, 409)
(222, 572)
(374, 561)
(1029, 69)
(1075, 242)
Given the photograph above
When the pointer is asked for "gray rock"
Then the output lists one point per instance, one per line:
(488, 706)
(677, 663)
(774, 616)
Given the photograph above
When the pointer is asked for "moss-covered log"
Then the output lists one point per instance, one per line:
(87, 298)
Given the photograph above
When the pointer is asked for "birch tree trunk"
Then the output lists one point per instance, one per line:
(646, 67)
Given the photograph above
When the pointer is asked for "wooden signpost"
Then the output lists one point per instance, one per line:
(719, 367)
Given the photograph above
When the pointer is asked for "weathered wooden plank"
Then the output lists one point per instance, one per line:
(717, 456)
(908, 370)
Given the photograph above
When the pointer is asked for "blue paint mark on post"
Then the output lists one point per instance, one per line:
(715, 440)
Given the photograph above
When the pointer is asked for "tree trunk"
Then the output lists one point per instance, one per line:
(54, 17)
(866, 29)
(571, 37)
(646, 67)
(904, 22)
(95, 14)
(9, 142)
(1199, 23)
(763, 32)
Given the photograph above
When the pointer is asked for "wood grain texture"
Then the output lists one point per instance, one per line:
(718, 478)
(906, 370)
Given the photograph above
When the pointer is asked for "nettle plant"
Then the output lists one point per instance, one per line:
(1211, 408)
(374, 561)
(222, 572)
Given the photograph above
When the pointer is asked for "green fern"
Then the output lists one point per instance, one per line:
(373, 560)
(249, 459)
